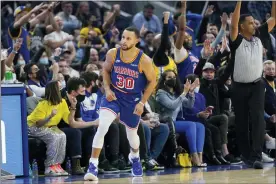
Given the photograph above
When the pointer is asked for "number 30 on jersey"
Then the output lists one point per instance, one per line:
(127, 83)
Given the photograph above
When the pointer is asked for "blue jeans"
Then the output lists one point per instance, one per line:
(195, 134)
(156, 139)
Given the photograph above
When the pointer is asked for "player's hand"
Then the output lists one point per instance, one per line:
(110, 95)
(139, 109)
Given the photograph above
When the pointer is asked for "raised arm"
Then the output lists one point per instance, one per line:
(26, 17)
(271, 21)
(234, 28)
(182, 24)
(39, 17)
(110, 20)
(160, 58)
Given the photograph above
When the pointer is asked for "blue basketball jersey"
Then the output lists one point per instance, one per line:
(125, 75)
(187, 66)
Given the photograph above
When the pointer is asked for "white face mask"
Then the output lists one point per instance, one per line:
(63, 84)
(44, 61)
(97, 72)
(197, 89)
(21, 62)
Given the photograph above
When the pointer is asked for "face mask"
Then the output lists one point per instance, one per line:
(63, 84)
(94, 89)
(197, 89)
(21, 62)
(170, 83)
(80, 98)
(269, 77)
(44, 61)
(97, 72)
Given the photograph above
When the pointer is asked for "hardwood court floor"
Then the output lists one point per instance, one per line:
(211, 174)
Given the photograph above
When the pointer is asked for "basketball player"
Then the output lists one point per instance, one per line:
(127, 72)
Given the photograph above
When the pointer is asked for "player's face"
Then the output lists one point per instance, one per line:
(249, 25)
(128, 40)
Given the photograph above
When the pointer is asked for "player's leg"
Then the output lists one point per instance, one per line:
(131, 122)
(134, 156)
(106, 117)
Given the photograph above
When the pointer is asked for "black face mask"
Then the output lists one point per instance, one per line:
(80, 98)
(170, 83)
(94, 89)
(269, 77)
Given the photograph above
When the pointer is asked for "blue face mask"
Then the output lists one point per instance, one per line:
(21, 62)
(44, 61)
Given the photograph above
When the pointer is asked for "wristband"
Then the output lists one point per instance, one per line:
(142, 103)
(15, 52)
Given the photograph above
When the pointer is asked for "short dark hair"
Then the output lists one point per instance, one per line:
(135, 30)
(148, 6)
(74, 83)
(213, 24)
(242, 19)
(89, 77)
(52, 93)
(148, 32)
(28, 68)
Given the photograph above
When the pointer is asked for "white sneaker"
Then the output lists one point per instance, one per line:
(51, 171)
(61, 170)
(270, 144)
(266, 158)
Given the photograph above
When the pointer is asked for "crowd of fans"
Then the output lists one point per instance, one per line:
(60, 55)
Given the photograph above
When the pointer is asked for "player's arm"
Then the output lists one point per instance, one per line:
(234, 28)
(272, 20)
(107, 67)
(148, 70)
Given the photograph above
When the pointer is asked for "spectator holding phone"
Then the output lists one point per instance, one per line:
(201, 113)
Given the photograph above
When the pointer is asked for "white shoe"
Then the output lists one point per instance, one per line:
(61, 170)
(52, 171)
(266, 158)
(270, 144)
